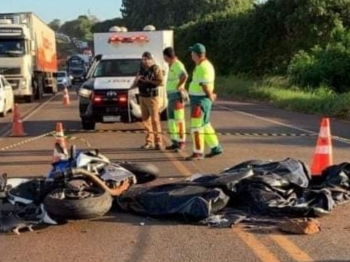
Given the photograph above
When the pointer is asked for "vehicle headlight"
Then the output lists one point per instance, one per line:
(85, 92)
(24, 82)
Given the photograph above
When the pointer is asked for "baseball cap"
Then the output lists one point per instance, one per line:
(198, 48)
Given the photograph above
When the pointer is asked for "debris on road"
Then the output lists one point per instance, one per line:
(243, 193)
(252, 188)
(14, 223)
(301, 227)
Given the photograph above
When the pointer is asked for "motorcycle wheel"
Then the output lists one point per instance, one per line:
(65, 204)
(144, 172)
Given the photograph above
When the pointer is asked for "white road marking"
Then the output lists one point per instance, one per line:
(340, 139)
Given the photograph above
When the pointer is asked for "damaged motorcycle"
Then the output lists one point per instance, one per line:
(81, 186)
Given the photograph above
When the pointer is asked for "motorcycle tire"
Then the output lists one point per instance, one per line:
(144, 172)
(78, 208)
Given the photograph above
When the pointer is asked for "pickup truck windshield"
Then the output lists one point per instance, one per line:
(117, 68)
(12, 47)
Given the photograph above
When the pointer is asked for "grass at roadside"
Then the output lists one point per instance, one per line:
(278, 92)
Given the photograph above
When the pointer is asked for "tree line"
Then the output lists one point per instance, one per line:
(306, 40)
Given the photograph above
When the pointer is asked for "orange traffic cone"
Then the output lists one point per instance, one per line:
(60, 151)
(323, 156)
(66, 100)
(17, 125)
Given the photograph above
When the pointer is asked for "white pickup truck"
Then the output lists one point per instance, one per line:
(105, 96)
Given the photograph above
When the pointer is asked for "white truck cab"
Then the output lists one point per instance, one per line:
(106, 95)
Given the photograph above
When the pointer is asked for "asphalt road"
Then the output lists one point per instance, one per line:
(126, 237)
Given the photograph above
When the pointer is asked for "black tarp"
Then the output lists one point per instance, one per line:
(185, 201)
(255, 187)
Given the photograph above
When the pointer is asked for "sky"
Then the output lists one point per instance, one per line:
(64, 10)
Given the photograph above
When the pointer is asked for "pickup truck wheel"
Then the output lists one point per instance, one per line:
(124, 118)
(29, 99)
(88, 125)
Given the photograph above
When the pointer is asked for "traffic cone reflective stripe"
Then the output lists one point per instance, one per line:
(66, 100)
(60, 148)
(323, 156)
(60, 136)
(58, 153)
(17, 124)
(323, 150)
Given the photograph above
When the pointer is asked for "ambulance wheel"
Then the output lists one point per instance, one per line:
(88, 125)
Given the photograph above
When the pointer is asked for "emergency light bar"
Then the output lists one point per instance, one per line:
(131, 39)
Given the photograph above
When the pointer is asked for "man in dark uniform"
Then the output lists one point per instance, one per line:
(148, 79)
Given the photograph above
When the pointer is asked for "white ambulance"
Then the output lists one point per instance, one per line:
(105, 96)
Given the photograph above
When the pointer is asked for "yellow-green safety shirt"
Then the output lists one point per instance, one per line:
(176, 70)
(204, 73)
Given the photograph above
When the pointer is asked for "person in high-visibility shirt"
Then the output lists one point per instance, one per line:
(176, 81)
(202, 96)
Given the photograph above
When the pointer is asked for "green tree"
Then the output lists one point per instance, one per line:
(55, 24)
(79, 28)
(104, 26)
(168, 13)
(264, 39)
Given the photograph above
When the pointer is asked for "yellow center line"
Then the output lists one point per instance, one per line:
(261, 251)
(290, 248)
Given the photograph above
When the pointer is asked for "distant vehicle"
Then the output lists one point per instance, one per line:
(75, 61)
(63, 79)
(6, 97)
(105, 96)
(28, 55)
(77, 74)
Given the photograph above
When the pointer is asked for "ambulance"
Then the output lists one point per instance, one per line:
(105, 96)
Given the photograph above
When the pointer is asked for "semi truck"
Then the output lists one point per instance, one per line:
(105, 96)
(28, 55)
(77, 66)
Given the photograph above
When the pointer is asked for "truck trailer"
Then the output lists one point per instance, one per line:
(28, 55)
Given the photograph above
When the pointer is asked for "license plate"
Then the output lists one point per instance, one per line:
(112, 110)
(111, 118)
